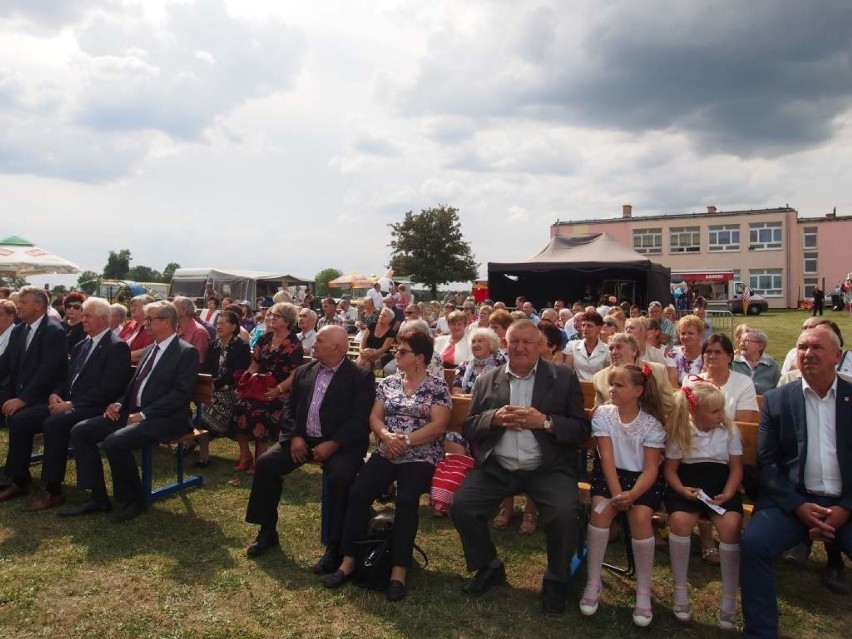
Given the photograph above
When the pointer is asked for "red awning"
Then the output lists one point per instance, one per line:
(702, 277)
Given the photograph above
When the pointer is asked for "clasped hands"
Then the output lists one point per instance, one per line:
(300, 453)
(518, 418)
(395, 445)
(822, 522)
(113, 412)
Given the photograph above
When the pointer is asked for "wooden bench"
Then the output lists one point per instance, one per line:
(200, 395)
(748, 431)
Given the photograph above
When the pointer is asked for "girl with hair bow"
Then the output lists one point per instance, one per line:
(703, 453)
(626, 478)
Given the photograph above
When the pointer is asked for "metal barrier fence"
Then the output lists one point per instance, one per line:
(720, 321)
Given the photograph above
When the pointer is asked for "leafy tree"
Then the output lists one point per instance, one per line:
(143, 274)
(323, 278)
(169, 271)
(117, 265)
(88, 282)
(14, 282)
(430, 247)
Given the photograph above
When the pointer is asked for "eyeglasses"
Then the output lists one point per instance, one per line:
(274, 316)
(148, 320)
(611, 324)
(401, 352)
(409, 312)
(73, 305)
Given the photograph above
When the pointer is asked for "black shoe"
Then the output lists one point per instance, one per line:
(328, 563)
(265, 540)
(88, 506)
(552, 597)
(335, 579)
(130, 511)
(834, 578)
(797, 555)
(202, 463)
(484, 579)
(396, 590)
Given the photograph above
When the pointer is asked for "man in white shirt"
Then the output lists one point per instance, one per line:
(805, 466)
(307, 334)
(526, 420)
(375, 294)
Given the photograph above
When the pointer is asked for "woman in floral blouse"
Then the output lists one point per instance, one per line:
(685, 359)
(409, 417)
(278, 351)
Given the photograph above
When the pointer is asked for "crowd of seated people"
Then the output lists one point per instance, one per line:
(59, 371)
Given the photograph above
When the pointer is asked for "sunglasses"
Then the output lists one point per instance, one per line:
(74, 305)
(611, 324)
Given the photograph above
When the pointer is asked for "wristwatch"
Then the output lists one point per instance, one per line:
(548, 423)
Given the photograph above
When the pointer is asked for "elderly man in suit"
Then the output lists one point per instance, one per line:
(154, 408)
(805, 463)
(35, 362)
(100, 368)
(325, 419)
(525, 423)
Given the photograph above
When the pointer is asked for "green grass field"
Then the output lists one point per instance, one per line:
(180, 571)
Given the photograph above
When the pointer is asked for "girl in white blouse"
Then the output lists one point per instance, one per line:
(630, 440)
(703, 453)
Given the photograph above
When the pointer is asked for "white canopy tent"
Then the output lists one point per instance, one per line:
(20, 258)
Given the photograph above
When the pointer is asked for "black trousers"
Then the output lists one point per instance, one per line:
(554, 491)
(412, 480)
(339, 472)
(118, 441)
(23, 426)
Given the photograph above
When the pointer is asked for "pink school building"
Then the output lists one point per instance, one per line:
(779, 254)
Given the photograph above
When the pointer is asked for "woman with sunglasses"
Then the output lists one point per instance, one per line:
(613, 322)
(409, 417)
(73, 322)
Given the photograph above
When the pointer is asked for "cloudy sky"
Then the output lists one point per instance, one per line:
(285, 136)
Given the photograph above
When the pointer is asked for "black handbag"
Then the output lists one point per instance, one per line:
(374, 554)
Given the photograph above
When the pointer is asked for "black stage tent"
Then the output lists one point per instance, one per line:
(577, 267)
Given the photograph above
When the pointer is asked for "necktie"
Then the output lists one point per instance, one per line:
(141, 377)
(80, 360)
(27, 332)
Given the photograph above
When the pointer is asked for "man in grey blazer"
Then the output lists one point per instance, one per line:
(804, 459)
(324, 419)
(155, 407)
(525, 423)
(100, 368)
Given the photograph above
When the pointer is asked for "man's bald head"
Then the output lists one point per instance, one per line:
(331, 345)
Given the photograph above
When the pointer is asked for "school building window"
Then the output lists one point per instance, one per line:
(811, 263)
(685, 239)
(648, 241)
(767, 282)
(809, 237)
(764, 235)
(724, 237)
